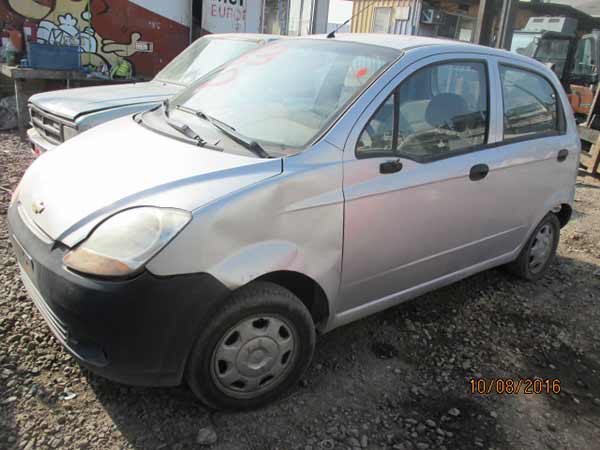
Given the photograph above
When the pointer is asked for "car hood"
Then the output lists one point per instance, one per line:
(71, 103)
(121, 164)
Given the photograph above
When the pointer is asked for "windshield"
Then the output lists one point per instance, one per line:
(285, 93)
(554, 51)
(524, 44)
(203, 56)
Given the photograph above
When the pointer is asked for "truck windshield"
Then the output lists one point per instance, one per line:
(284, 94)
(201, 57)
(524, 43)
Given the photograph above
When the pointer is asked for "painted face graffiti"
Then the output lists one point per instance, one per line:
(67, 33)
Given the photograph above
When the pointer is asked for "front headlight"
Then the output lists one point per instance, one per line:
(69, 132)
(123, 243)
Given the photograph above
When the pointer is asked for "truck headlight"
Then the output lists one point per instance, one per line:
(125, 242)
(69, 132)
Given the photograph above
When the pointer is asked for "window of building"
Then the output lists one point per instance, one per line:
(530, 104)
(381, 20)
(300, 20)
(457, 27)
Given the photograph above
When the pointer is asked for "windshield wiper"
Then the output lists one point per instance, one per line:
(181, 127)
(230, 132)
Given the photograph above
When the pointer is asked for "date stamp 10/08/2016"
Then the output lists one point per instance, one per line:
(510, 386)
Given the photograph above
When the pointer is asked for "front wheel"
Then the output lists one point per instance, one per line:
(256, 347)
(539, 251)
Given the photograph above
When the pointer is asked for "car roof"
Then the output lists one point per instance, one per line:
(245, 36)
(405, 43)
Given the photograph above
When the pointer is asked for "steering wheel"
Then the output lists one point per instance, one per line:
(436, 140)
(377, 141)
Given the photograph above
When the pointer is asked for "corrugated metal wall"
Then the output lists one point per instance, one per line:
(362, 22)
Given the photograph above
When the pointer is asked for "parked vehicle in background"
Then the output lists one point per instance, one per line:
(584, 77)
(552, 48)
(553, 41)
(305, 185)
(59, 115)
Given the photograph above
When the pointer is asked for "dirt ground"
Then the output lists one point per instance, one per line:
(397, 380)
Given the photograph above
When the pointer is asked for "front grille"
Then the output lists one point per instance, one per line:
(52, 128)
(57, 326)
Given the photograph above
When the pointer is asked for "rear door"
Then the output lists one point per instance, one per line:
(540, 155)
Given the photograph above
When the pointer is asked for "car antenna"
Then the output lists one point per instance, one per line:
(331, 34)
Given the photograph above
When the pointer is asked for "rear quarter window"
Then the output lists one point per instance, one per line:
(531, 104)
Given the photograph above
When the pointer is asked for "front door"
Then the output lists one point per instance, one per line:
(424, 190)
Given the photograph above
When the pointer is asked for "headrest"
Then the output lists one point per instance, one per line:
(443, 108)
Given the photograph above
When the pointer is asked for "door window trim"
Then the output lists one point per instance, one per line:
(561, 118)
(394, 154)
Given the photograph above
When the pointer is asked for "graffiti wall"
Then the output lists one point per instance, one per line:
(146, 33)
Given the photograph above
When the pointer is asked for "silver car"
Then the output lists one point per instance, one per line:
(59, 115)
(308, 184)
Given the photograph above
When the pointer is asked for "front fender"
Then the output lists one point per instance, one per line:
(256, 260)
(289, 222)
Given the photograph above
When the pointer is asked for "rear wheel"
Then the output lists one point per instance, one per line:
(539, 251)
(254, 349)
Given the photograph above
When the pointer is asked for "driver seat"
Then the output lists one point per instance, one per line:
(444, 109)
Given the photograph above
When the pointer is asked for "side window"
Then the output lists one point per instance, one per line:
(584, 63)
(377, 138)
(530, 104)
(439, 111)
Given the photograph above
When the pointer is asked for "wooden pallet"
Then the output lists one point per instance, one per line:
(590, 154)
(589, 133)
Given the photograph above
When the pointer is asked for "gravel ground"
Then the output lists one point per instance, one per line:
(397, 380)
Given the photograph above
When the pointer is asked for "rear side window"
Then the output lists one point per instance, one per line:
(438, 112)
(530, 104)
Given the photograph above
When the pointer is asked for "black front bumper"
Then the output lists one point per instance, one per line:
(135, 331)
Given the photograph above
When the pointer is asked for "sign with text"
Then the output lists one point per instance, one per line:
(231, 16)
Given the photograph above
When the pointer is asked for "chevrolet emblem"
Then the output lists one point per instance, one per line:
(38, 207)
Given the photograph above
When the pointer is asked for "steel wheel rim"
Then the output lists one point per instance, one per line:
(541, 248)
(254, 355)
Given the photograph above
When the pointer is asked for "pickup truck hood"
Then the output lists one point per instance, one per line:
(71, 103)
(120, 164)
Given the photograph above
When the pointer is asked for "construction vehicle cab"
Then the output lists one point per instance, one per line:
(583, 77)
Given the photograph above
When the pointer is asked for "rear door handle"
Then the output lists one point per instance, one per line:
(562, 155)
(479, 172)
(390, 166)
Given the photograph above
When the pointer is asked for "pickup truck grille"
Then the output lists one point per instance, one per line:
(52, 128)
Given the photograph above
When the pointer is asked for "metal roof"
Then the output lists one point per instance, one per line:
(397, 41)
(405, 43)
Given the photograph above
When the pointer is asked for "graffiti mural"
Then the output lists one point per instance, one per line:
(108, 31)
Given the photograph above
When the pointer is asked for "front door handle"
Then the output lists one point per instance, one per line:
(479, 172)
(562, 155)
(390, 166)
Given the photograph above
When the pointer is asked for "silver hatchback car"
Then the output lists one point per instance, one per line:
(309, 183)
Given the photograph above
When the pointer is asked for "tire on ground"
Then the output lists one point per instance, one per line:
(255, 299)
(521, 267)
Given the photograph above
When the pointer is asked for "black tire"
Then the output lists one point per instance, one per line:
(522, 266)
(244, 309)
